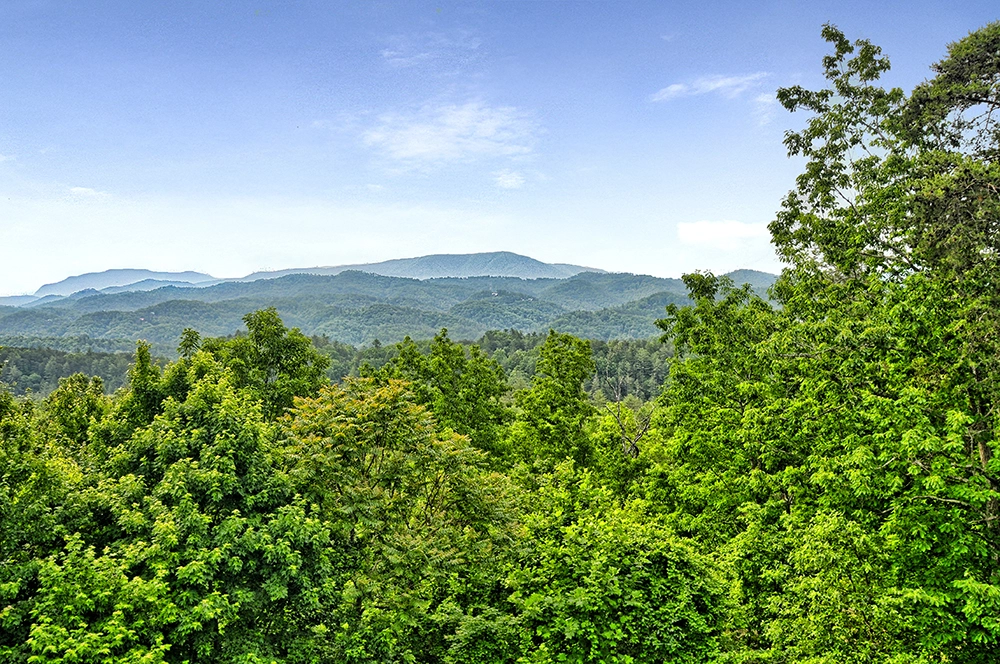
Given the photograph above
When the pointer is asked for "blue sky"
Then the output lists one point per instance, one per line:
(233, 137)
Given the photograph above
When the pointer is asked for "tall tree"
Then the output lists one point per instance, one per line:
(416, 516)
(275, 363)
(550, 424)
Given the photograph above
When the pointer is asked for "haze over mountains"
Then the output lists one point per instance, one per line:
(467, 294)
(493, 264)
(119, 278)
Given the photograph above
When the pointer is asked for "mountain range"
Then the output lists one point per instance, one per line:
(353, 306)
(119, 278)
(491, 264)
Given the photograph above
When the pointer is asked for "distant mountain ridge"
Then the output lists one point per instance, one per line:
(120, 277)
(359, 307)
(488, 264)
(356, 306)
(153, 284)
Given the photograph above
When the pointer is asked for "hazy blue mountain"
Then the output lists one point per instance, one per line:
(591, 291)
(357, 307)
(64, 299)
(153, 284)
(491, 264)
(48, 299)
(109, 278)
(433, 294)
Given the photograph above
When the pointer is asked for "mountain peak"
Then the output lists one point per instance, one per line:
(486, 264)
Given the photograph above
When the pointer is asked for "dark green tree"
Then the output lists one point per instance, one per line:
(275, 363)
(192, 547)
(190, 342)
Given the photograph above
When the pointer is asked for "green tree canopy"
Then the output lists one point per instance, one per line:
(553, 411)
(838, 452)
(275, 363)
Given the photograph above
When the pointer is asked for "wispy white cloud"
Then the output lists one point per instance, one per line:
(87, 192)
(449, 132)
(764, 107)
(726, 86)
(416, 50)
(403, 58)
(726, 234)
(508, 179)
(6, 157)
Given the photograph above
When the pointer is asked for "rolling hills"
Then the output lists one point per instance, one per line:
(359, 307)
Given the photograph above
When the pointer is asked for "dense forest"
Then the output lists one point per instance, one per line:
(38, 370)
(815, 480)
(623, 366)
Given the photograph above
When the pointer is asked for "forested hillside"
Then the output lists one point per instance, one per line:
(813, 479)
(38, 370)
(625, 366)
(357, 308)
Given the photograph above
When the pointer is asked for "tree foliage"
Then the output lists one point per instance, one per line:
(837, 452)
(274, 363)
(552, 413)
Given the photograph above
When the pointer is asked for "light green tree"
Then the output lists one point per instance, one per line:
(463, 389)
(837, 452)
(418, 519)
